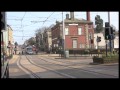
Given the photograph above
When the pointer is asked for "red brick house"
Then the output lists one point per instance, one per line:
(79, 33)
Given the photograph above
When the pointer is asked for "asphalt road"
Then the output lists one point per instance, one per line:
(64, 68)
(14, 70)
(80, 68)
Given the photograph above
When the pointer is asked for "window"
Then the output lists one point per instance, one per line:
(90, 36)
(74, 43)
(79, 31)
(66, 31)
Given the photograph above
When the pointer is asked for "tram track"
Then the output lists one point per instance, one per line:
(69, 66)
(32, 74)
(50, 69)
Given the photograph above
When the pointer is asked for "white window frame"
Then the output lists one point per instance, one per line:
(74, 43)
(66, 31)
(90, 36)
(80, 31)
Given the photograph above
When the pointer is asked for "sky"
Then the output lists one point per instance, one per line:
(24, 24)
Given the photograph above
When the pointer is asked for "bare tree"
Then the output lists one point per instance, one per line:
(40, 30)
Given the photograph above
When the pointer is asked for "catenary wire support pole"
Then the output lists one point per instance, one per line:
(106, 47)
(63, 41)
(109, 31)
(97, 43)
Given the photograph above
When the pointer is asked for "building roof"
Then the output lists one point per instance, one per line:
(77, 20)
(72, 21)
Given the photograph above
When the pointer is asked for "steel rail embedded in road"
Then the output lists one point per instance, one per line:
(76, 68)
(62, 74)
(32, 73)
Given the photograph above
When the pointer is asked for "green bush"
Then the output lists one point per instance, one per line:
(110, 55)
(86, 51)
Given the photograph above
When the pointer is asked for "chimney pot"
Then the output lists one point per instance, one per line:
(88, 16)
(67, 16)
(72, 15)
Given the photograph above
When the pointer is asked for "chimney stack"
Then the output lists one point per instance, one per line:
(72, 15)
(88, 16)
(67, 16)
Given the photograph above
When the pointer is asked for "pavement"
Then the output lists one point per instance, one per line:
(13, 60)
(58, 56)
(14, 70)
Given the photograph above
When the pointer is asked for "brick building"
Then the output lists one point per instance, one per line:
(47, 40)
(79, 33)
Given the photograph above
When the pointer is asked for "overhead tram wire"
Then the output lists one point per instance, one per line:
(21, 36)
(21, 23)
(44, 20)
(47, 18)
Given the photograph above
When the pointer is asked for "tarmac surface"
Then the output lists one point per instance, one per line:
(82, 63)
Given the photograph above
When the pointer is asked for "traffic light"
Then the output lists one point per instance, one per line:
(112, 33)
(107, 31)
(98, 39)
(107, 24)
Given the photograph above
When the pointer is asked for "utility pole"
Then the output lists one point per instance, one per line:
(109, 31)
(63, 36)
(97, 42)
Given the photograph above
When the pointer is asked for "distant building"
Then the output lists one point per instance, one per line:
(10, 34)
(40, 43)
(116, 42)
(79, 33)
(47, 39)
(102, 44)
(10, 40)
